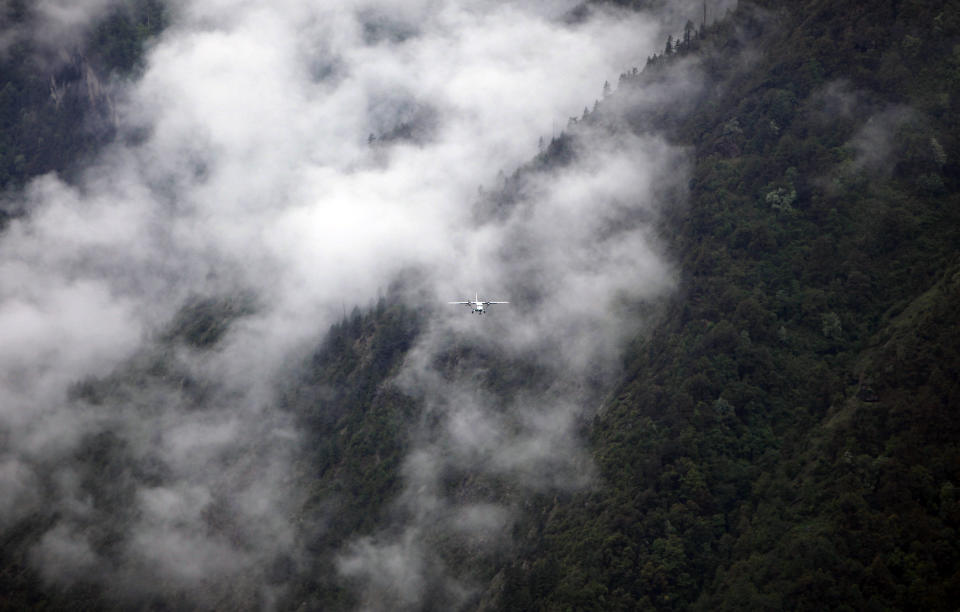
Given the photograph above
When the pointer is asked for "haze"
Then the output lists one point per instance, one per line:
(296, 157)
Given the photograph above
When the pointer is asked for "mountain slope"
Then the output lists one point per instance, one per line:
(787, 437)
(56, 105)
(783, 432)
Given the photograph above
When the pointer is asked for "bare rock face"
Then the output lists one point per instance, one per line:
(78, 81)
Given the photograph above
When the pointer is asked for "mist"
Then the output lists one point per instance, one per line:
(277, 163)
(55, 28)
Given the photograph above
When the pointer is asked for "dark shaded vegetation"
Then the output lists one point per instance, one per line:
(787, 438)
(358, 426)
(55, 110)
(202, 322)
(55, 104)
(355, 429)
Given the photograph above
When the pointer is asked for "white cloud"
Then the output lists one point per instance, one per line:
(245, 167)
(56, 28)
(20, 497)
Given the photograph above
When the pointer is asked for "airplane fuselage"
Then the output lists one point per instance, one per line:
(477, 305)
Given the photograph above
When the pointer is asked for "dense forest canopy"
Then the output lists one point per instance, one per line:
(727, 377)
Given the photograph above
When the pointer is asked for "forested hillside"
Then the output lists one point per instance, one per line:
(787, 437)
(55, 103)
(56, 112)
(776, 427)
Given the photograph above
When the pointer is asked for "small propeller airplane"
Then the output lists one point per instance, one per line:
(477, 305)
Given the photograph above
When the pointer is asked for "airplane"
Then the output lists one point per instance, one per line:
(477, 305)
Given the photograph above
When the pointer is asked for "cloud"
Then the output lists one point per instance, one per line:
(576, 248)
(62, 553)
(874, 127)
(244, 173)
(63, 18)
(874, 144)
(19, 486)
(394, 574)
(54, 29)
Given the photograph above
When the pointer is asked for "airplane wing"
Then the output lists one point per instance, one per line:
(458, 302)
(496, 302)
